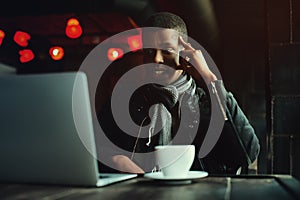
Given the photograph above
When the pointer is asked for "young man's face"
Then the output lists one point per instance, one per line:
(164, 52)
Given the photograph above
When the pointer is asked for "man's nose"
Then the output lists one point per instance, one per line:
(158, 58)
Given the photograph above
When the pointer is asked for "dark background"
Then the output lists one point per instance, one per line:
(255, 44)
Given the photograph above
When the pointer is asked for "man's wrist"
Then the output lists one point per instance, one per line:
(210, 78)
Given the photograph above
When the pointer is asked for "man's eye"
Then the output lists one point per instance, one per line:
(149, 51)
(171, 50)
(168, 51)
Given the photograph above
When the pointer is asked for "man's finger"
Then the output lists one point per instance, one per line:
(186, 45)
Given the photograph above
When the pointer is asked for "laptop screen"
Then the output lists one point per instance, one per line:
(41, 115)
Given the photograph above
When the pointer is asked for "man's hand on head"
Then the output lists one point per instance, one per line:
(200, 68)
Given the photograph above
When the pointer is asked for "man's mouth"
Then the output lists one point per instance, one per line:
(159, 71)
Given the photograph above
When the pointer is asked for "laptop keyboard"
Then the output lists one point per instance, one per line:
(103, 176)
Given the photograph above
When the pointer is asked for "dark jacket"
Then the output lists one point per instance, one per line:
(236, 146)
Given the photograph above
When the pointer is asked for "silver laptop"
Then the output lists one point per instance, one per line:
(39, 140)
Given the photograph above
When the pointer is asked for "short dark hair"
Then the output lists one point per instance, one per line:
(167, 20)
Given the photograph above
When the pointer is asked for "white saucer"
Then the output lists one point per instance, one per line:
(191, 175)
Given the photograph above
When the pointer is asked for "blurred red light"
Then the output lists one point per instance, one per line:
(56, 53)
(72, 21)
(26, 55)
(22, 38)
(73, 31)
(114, 53)
(73, 28)
(2, 35)
(135, 42)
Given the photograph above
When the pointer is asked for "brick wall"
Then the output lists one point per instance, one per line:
(283, 91)
(261, 66)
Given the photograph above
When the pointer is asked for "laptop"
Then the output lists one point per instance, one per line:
(39, 140)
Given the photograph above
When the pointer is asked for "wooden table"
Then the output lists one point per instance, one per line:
(282, 187)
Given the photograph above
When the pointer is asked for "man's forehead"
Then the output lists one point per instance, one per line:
(161, 32)
(169, 35)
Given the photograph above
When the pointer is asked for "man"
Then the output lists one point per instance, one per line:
(177, 67)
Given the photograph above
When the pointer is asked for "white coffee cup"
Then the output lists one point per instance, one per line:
(175, 161)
